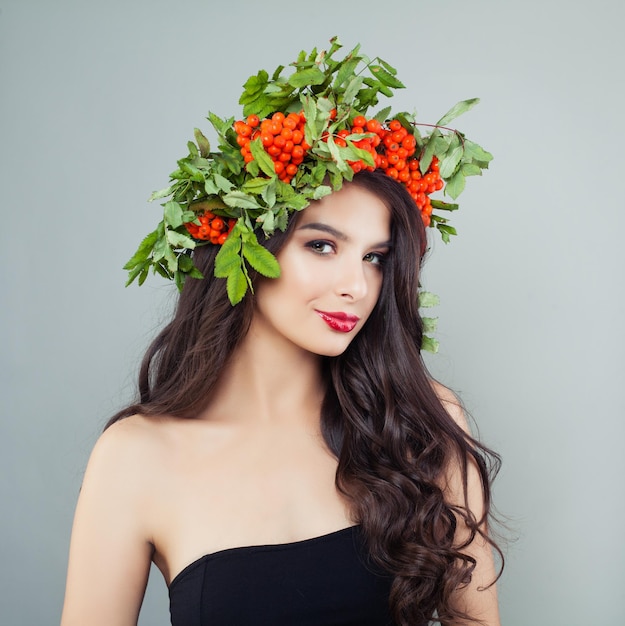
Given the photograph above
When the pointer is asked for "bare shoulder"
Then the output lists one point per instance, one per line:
(111, 546)
(132, 435)
(463, 486)
(126, 465)
(452, 404)
(133, 431)
(129, 448)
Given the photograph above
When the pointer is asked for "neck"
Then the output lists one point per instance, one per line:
(269, 381)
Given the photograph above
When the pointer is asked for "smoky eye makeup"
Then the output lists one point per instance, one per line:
(376, 258)
(320, 246)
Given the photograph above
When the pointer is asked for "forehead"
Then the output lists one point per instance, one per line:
(353, 210)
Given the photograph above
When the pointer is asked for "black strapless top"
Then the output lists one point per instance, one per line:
(324, 581)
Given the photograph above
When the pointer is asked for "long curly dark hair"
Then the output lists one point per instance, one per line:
(381, 415)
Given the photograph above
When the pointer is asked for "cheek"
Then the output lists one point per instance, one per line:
(376, 288)
(302, 275)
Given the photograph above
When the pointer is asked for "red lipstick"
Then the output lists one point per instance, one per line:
(337, 320)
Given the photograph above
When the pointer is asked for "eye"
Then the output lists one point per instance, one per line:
(375, 258)
(320, 246)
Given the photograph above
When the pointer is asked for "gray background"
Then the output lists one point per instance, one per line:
(97, 100)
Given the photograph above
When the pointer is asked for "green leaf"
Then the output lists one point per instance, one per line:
(473, 151)
(446, 231)
(231, 159)
(179, 278)
(255, 185)
(277, 72)
(241, 200)
(185, 263)
(367, 98)
(135, 271)
(255, 83)
(385, 90)
(450, 162)
(194, 272)
(383, 114)
(386, 78)
(210, 187)
(456, 110)
(261, 157)
(268, 222)
(455, 185)
(352, 153)
(321, 191)
(389, 68)
(228, 256)
(193, 172)
(268, 194)
(471, 169)
(428, 299)
(249, 98)
(162, 270)
(202, 142)
(180, 240)
(437, 219)
(221, 126)
(143, 275)
(171, 258)
(222, 183)
(261, 260)
(310, 112)
(309, 76)
(252, 168)
(161, 246)
(261, 107)
(353, 87)
(429, 324)
(173, 214)
(429, 344)
(346, 70)
(236, 285)
(281, 218)
(163, 193)
(336, 155)
(428, 153)
(193, 151)
(444, 206)
(144, 249)
(337, 45)
(299, 201)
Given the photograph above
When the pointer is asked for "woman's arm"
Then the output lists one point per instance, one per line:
(479, 598)
(110, 552)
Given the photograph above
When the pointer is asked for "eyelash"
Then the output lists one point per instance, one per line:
(381, 258)
(316, 244)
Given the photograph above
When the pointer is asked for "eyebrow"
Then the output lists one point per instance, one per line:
(337, 233)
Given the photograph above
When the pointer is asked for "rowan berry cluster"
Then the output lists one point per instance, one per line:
(391, 145)
(392, 148)
(282, 138)
(211, 228)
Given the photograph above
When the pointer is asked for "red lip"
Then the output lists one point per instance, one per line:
(338, 320)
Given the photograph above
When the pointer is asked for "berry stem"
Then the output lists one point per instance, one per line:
(451, 130)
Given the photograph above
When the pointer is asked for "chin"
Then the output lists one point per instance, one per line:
(336, 349)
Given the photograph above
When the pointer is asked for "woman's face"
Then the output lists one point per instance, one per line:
(331, 273)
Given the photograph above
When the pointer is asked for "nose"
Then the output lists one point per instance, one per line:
(351, 280)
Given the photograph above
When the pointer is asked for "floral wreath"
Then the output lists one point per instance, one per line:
(302, 136)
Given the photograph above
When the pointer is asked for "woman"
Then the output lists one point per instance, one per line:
(290, 460)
